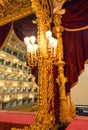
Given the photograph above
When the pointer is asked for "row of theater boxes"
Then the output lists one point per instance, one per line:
(14, 103)
(17, 90)
(14, 65)
(15, 77)
(20, 96)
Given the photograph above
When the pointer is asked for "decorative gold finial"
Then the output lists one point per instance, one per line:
(57, 4)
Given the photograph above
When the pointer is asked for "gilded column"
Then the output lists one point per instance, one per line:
(64, 115)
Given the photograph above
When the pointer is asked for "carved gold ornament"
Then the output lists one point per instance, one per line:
(11, 10)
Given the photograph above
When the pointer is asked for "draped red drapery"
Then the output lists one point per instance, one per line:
(75, 54)
(75, 42)
(4, 31)
(25, 27)
(76, 15)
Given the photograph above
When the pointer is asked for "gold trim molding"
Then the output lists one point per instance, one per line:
(13, 10)
(77, 29)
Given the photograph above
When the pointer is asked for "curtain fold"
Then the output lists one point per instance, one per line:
(76, 15)
(25, 27)
(56, 93)
(4, 31)
(75, 54)
(75, 43)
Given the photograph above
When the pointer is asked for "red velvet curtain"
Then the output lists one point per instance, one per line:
(4, 31)
(76, 15)
(75, 54)
(75, 43)
(25, 27)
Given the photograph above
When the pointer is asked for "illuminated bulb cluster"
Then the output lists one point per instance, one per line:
(52, 42)
(30, 43)
(32, 47)
(31, 50)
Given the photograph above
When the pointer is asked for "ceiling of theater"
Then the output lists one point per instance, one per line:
(11, 10)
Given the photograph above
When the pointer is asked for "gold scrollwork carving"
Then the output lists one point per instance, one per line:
(11, 10)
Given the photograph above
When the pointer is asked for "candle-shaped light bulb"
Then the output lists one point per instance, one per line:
(55, 43)
(26, 40)
(35, 48)
(32, 39)
(55, 46)
(29, 48)
(48, 34)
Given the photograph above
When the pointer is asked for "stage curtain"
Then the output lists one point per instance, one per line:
(75, 54)
(4, 32)
(25, 27)
(76, 15)
(75, 39)
(56, 93)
